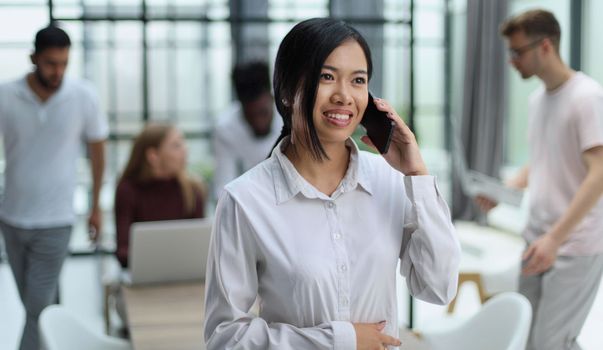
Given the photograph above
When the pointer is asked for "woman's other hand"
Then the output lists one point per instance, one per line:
(369, 336)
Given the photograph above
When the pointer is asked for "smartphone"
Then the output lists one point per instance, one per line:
(379, 127)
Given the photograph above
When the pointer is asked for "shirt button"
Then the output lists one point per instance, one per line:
(330, 204)
(343, 268)
(344, 301)
(337, 236)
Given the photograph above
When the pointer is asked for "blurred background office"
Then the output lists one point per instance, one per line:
(441, 63)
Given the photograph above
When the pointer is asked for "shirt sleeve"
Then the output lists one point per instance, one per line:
(430, 253)
(589, 121)
(124, 217)
(225, 162)
(231, 289)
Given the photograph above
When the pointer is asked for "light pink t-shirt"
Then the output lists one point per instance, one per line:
(563, 124)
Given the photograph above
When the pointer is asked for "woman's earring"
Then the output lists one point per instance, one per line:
(285, 102)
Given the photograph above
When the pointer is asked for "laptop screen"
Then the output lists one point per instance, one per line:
(169, 251)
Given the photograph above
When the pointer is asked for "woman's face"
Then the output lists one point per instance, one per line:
(342, 93)
(171, 155)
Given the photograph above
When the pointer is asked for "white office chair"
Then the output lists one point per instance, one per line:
(59, 330)
(490, 258)
(503, 323)
(491, 254)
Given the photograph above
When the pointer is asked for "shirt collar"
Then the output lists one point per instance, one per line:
(288, 182)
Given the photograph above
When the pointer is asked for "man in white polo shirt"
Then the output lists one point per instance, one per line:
(563, 261)
(44, 122)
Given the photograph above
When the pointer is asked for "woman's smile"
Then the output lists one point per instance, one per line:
(338, 117)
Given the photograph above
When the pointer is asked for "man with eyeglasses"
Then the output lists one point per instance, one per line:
(563, 261)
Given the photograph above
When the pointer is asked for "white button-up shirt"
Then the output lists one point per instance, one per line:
(319, 263)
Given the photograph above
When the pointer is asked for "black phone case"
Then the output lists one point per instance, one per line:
(379, 127)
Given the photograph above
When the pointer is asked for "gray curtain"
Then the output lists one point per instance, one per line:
(480, 129)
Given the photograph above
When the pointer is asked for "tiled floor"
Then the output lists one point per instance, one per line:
(81, 292)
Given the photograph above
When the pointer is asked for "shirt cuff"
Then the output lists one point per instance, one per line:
(344, 334)
(422, 186)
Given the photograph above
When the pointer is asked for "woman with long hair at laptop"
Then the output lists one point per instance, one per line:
(315, 232)
(155, 185)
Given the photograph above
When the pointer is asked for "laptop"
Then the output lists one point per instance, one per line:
(476, 183)
(168, 251)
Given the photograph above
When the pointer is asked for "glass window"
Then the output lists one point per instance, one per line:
(287, 9)
(20, 23)
(430, 79)
(593, 51)
(189, 55)
(396, 60)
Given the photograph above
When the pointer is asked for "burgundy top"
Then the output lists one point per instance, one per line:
(153, 200)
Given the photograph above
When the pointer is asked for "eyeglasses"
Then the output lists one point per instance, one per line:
(518, 52)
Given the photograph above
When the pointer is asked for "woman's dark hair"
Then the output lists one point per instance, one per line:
(51, 37)
(297, 68)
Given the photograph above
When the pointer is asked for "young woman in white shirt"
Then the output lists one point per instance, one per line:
(315, 232)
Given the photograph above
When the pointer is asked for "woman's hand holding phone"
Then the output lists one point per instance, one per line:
(403, 154)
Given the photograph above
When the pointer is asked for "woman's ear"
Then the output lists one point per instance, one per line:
(152, 157)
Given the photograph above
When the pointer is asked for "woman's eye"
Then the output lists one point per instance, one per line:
(359, 80)
(326, 76)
